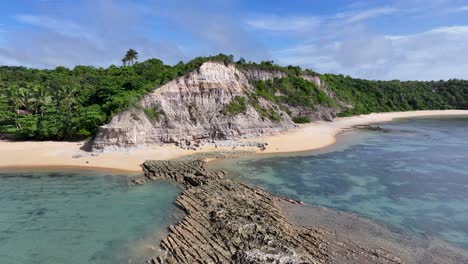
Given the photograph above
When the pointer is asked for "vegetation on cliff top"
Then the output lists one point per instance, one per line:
(71, 104)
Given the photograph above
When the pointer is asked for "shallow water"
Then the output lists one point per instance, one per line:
(414, 176)
(80, 217)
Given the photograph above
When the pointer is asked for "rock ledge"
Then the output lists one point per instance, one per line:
(229, 222)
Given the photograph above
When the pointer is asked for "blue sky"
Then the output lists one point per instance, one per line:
(399, 39)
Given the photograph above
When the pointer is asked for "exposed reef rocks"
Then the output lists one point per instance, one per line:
(229, 222)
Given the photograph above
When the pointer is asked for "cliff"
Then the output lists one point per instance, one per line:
(212, 102)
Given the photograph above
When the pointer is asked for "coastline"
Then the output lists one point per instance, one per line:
(322, 134)
(307, 137)
(229, 221)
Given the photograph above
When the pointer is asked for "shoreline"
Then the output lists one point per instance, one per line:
(307, 137)
(322, 134)
(228, 221)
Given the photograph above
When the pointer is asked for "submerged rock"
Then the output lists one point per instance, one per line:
(372, 128)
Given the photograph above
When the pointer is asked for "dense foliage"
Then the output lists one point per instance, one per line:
(71, 104)
(383, 96)
(293, 91)
(356, 96)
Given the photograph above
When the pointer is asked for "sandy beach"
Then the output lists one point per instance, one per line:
(306, 137)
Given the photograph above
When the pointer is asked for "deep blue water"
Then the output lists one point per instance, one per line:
(80, 217)
(413, 176)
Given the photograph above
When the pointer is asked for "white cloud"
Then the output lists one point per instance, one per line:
(64, 27)
(47, 22)
(460, 9)
(97, 34)
(284, 23)
(450, 30)
(357, 16)
(298, 24)
(430, 55)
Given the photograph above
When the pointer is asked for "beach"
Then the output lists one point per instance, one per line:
(315, 135)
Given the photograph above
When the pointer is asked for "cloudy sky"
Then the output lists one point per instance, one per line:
(376, 39)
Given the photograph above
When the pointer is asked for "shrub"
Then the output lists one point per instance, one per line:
(154, 114)
(300, 120)
(236, 106)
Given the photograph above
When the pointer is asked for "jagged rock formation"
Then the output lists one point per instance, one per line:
(193, 108)
(229, 222)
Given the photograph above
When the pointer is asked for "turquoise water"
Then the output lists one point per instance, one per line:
(80, 217)
(414, 176)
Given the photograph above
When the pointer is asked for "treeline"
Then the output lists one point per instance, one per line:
(70, 104)
(383, 96)
(354, 96)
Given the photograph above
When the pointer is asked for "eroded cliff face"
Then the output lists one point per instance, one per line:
(262, 75)
(193, 108)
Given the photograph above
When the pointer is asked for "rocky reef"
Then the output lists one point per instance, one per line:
(227, 221)
(206, 104)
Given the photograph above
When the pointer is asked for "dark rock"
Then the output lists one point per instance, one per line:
(372, 128)
(230, 222)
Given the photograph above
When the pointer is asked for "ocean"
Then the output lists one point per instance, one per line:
(81, 217)
(411, 174)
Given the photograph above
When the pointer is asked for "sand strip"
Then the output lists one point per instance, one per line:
(306, 137)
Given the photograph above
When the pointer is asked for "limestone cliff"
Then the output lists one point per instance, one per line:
(213, 102)
(192, 108)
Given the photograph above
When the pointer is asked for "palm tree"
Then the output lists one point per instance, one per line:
(41, 98)
(131, 56)
(54, 88)
(62, 94)
(26, 98)
(13, 95)
(67, 95)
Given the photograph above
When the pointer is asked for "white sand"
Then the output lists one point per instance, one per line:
(306, 137)
(321, 134)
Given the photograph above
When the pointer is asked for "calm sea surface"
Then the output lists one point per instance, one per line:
(80, 217)
(412, 175)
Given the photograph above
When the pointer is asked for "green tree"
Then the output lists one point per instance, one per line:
(67, 97)
(13, 96)
(130, 57)
(41, 98)
(26, 99)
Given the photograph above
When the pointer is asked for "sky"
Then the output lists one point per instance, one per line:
(373, 39)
